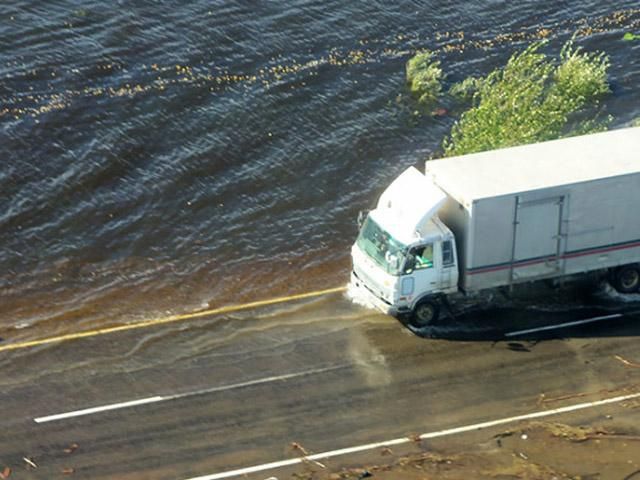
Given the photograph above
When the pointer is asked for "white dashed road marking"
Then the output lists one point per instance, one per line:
(156, 399)
(563, 325)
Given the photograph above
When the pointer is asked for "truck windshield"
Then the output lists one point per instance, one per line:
(381, 247)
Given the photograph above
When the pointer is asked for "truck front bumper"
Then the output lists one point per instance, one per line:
(372, 299)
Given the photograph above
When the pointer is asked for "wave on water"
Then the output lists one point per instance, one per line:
(359, 296)
(169, 159)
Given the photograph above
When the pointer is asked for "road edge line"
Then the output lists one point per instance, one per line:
(170, 319)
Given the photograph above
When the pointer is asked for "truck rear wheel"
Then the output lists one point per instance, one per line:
(425, 313)
(626, 279)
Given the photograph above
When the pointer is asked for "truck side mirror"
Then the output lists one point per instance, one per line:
(410, 264)
(362, 215)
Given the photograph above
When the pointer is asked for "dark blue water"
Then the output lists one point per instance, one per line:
(166, 155)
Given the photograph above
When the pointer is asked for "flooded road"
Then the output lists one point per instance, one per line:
(321, 373)
(166, 157)
(162, 158)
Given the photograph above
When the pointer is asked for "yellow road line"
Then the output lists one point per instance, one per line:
(171, 319)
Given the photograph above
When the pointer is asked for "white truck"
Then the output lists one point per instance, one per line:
(550, 210)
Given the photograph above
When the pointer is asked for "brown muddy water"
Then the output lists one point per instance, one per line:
(159, 157)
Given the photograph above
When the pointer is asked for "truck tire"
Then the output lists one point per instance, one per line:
(425, 313)
(626, 279)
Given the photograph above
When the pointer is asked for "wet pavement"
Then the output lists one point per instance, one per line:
(237, 391)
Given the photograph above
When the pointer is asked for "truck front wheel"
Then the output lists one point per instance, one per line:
(626, 279)
(425, 313)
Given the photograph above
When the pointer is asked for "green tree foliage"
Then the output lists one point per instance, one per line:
(532, 99)
(466, 89)
(424, 76)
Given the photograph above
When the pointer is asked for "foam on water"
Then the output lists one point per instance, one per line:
(359, 296)
(607, 293)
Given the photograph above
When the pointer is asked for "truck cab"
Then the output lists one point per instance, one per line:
(539, 212)
(404, 257)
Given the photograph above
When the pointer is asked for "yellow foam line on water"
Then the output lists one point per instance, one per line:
(171, 319)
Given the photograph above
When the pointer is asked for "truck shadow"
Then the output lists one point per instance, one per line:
(535, 324)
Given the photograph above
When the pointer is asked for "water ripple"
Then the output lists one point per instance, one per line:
(164, 158)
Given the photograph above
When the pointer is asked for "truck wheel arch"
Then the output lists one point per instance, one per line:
(626, 279)
(425, 312)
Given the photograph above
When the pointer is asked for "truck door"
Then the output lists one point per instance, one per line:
(423, 269)
(538, 242)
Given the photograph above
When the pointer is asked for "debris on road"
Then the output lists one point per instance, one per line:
(626, 362)
(305, 455)
(542, 398)
(499, 436)
(30, 463)
(398, 469)
(551, 450)
(522, 467)
(574, 434)
(297, 447)
(68, 471)
(71, 448)
(386, 451)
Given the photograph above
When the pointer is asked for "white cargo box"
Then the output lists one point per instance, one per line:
(543, 210)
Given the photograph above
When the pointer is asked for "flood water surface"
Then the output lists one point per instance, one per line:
(162, 157)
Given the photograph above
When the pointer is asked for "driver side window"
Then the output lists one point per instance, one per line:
(423, 256)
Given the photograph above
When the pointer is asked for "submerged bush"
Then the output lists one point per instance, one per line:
(580, 76)
(424, 76)
(532, 99)
(466, 89)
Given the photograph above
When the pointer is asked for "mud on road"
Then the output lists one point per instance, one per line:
(607, 449)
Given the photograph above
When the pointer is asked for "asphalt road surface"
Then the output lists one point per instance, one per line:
(211, 395)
